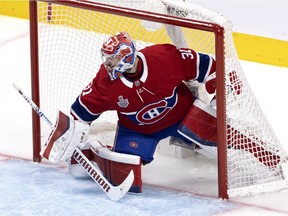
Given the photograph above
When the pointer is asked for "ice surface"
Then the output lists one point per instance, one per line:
(40, 189)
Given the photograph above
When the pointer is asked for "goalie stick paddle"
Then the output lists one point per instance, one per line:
(114, 192)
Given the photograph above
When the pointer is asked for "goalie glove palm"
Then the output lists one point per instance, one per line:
(67, 135)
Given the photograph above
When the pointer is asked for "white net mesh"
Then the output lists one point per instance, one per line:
(69, 42)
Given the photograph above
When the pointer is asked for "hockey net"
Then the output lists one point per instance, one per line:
(66, 37)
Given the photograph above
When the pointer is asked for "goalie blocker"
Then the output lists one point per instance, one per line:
(64, 138)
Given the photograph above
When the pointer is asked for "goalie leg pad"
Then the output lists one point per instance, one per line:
(116, 172)
(66, 136)
(114, 166)
(200, 124)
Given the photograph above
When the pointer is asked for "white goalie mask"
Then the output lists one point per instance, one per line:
(118, 54)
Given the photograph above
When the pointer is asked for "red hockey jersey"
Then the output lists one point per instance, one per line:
(156, 99)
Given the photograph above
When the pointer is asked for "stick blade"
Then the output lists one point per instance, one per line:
(117, 192)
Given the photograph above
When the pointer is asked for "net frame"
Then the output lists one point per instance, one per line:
(219, 40)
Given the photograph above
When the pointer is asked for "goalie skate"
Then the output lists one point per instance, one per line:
(181, 143)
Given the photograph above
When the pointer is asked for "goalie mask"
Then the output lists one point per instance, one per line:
(118, 54)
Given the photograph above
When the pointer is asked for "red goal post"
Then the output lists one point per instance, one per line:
(65, 38)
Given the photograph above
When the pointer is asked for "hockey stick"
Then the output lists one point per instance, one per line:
(114, 192)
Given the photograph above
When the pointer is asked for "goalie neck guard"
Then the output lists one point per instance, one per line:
(118, 54)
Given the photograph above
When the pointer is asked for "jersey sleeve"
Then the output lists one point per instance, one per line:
(206, 66)
(195, 65)
(80, 112)
(92, 101)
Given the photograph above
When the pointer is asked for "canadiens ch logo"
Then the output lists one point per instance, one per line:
(122, 102)
(156, 111)
(133, 144)
(153, 112)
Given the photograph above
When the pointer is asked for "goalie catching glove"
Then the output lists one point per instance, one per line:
(66, 136)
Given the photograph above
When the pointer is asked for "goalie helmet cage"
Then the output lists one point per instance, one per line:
(66, 37)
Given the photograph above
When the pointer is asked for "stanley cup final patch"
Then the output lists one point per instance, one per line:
(122, 102)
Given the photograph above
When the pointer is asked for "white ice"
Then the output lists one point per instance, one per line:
(28, 188)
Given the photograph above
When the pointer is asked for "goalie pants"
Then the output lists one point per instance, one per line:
(144, 145)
